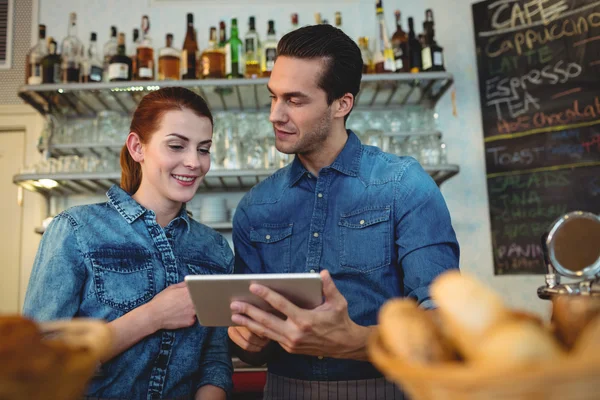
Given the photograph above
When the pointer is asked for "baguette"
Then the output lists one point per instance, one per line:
(410, 333)
(468, 310)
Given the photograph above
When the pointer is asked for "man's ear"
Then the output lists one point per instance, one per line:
(344, 105)
(134, 145)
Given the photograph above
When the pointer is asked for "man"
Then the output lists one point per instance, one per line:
(374, 223)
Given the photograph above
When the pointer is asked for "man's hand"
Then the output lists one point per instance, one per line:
(247, 340)
(325, 331)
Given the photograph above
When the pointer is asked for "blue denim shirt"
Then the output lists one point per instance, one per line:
(377, 222)
(104, 260)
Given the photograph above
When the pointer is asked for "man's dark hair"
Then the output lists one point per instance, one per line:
(341, 56)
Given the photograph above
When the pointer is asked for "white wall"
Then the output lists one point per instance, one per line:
(466, 193)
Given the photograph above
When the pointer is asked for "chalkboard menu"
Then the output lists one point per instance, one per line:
(539, 81)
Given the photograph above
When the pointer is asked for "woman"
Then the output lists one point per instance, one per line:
(124, 261)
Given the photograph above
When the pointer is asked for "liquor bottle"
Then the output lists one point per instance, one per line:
(169, 61)
(252, 48)
(400, 45)
(51, 63)
(72, 49)
(294, 22)
(119, 68)
(189, 53)
(109, 50)
(432, 55)
(33, 67)
(367, 56)
(269, 51)
(234, 53)
(222, 35)
(91, 66)
(414, 48)
(132, 52)
(384, 53)
(212, 64)
(145, 53)
(338, 20)
(318, 20)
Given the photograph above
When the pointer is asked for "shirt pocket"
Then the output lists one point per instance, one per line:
(274, 244)
(365, 239)
(202, 267)
(123, 279)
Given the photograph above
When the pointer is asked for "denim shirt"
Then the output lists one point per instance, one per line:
(377, 222)
(104, 260)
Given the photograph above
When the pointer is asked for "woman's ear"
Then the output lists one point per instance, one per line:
(134, 145)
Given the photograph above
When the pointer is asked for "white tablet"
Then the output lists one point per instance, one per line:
(212, 294)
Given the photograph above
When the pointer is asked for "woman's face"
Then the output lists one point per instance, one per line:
(176, 158)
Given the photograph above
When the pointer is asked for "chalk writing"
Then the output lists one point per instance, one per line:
(519, 157)
(506, 16)
(531, 181)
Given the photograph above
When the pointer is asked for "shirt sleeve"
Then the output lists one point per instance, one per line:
(58, 275)
(215, 361)
(425, 239)
(247, 258)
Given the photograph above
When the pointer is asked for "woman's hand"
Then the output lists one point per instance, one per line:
(172, 308)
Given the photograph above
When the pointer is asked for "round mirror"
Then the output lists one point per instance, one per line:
(574, 245)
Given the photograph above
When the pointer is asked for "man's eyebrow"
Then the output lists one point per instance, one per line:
(288, 95)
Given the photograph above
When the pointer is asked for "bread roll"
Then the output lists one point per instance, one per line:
(571, 314)
(588, 343)
(468, 309)
(516, 343)
(410, 333)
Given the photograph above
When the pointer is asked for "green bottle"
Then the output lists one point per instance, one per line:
(234, 52)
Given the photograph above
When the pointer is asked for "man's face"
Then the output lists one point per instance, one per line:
(300, 115)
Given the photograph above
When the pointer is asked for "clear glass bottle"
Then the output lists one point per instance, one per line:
(119, 68)
(367, 56)
(269, 51)
(384, 53)
(189, 53)
(71, 52)
(109, 49)
(212, 61)
(222, 35)
(145, 53)
(400, 45)
(169, 61)
(51, 64)
(234, 53)
(91, 66)
(252, 47)
(33, 66)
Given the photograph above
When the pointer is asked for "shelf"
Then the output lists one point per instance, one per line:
(217, 180)
(378, 91)
(85, 149)
(98, 183)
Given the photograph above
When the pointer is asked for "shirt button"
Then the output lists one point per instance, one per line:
(316, 234)
(362, 222)
(268, 237)
(320, 195)
(320, 357)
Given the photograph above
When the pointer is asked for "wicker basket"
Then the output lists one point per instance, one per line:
(57, 367)
(571, 379)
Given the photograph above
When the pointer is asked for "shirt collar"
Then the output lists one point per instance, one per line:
(131, 210)
(347, 162)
